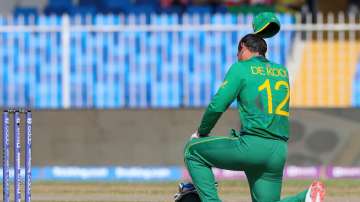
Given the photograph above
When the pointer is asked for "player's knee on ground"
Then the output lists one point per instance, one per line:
(265, 190)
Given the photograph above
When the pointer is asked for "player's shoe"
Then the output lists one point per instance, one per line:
(187, 193)
(316, 192)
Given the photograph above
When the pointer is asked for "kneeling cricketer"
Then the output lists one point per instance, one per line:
(262, 92)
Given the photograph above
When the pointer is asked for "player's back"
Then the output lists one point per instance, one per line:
(263, 100)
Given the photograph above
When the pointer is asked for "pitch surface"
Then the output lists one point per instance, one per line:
(230, 191)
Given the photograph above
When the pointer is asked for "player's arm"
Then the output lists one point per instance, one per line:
(225, 95)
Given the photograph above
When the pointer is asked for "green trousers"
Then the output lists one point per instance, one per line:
(262, 160)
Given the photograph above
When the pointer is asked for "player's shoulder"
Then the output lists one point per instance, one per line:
(245, 65)
(256, 60)
(238, 65)
(237, 68)
(277, 65)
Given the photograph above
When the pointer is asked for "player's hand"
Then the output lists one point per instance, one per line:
(197, 135)
(194, 135)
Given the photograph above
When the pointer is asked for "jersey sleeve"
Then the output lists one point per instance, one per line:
(225, 95)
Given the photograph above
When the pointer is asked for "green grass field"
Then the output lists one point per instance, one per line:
(230, 191)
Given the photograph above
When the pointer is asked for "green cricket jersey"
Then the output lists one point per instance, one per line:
(261, 89)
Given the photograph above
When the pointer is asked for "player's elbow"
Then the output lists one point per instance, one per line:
(215, 107)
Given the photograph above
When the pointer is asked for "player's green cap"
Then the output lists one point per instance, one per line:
(266, 24)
